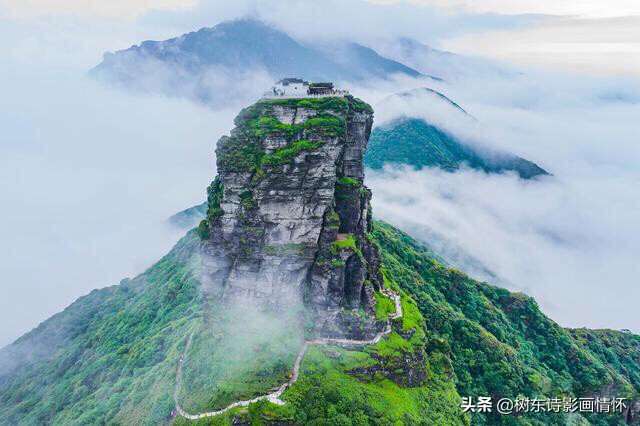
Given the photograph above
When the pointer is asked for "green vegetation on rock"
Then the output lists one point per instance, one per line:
(215, 193)
(361, 106)
(259, 121)
(346, 243)
(285, 155)
(384, 306)
(347, 181)
(243, 150)
(337, 104)
(238, 155)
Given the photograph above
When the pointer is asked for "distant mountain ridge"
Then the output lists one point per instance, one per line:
(446, 65)
(208, 63)
(415, 142)
(428, 90)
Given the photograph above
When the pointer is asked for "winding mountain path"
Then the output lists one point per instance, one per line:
(274, 397)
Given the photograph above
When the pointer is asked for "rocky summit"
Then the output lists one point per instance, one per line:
(288, 213)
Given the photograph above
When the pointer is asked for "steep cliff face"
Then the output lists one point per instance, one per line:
(288, 213)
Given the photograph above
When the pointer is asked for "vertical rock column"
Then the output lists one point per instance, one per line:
(288, 214)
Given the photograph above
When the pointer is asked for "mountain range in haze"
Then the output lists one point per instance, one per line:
(186, 66)
(229, 53)
(446, 65)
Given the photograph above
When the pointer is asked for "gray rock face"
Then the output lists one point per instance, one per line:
(288, 219)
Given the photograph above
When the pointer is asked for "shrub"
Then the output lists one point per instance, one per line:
(285, 155)
(347, 181)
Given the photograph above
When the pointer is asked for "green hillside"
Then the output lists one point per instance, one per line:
(499, 343)
(414, 142)
(111, 356)
(620, 350)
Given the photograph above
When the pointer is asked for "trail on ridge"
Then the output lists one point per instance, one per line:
(274, 396)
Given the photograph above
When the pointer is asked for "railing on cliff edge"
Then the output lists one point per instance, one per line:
(333, 93)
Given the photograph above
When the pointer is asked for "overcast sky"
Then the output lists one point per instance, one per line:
(134, 8)
(590, 8)
(88, 175)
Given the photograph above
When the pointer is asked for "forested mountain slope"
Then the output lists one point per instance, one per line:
(415, 142)
(116, 351)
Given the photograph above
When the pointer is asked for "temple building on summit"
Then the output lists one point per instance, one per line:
(299, 88)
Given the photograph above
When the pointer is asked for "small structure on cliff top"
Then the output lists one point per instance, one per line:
(299, 88)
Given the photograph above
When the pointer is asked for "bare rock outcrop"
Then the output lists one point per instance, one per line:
(288, 213)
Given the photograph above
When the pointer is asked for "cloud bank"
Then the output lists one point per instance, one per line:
(593, 8)
(596, 46)
(88, 178)
(570, 240)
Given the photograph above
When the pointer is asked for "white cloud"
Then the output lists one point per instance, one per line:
(88, 177)
(571, 243)
(592, 8)
(570, 240)
(111, 8)
(355, 20)
(602, 46)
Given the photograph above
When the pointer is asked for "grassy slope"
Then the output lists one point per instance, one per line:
(112, 353)
(479, 340)
(416, 143)
(117, 349)
(353, 387)
(499, 343)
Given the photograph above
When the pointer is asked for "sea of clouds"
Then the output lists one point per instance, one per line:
(570, 240)
(88, 177)
(89, 174)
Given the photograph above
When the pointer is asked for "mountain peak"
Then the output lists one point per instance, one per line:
(415, 142)
(244, 50)
(288, 212)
